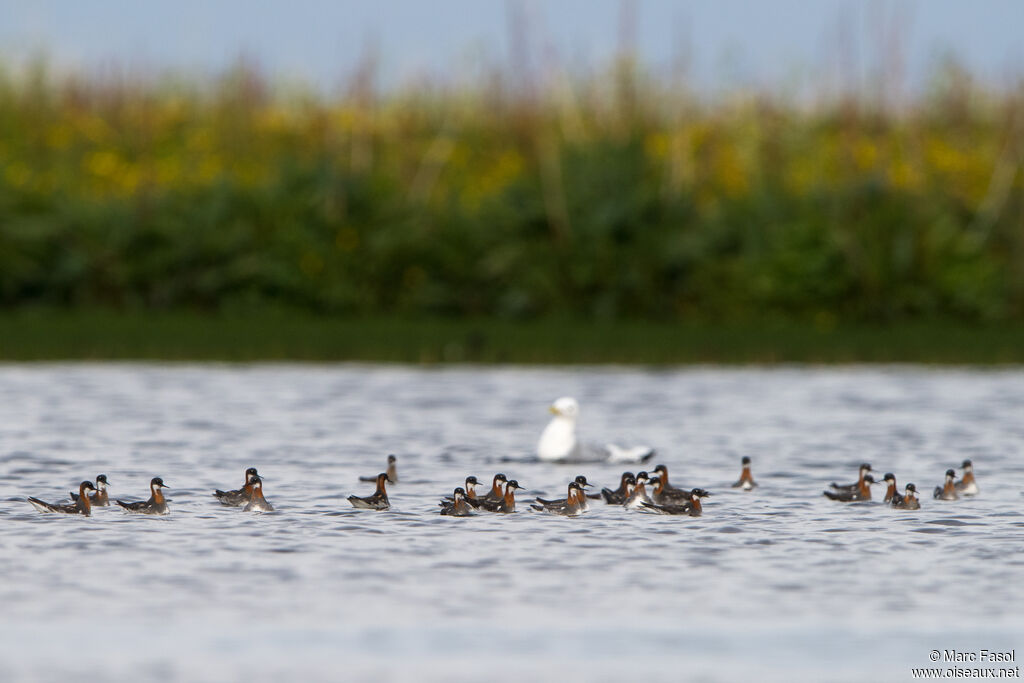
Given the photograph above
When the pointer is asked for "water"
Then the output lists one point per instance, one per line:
(776, 584)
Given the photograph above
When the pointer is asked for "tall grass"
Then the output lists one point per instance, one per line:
(604, 197)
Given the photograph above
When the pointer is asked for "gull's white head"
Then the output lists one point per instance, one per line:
(566, 407)
(558, 440)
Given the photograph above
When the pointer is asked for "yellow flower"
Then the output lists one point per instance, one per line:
(102, 164)
(17, 174)
(656, 145)
(730, 174)
(59, 136)
(865, 154)
(904, 175)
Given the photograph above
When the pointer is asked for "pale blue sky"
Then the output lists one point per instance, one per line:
(728, 42)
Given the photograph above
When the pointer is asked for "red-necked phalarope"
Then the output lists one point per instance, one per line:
(864, 469)
(471, 484)
(967, 486)
(581, 481)
(890, 490)
(240, 496)
(392, 471)
(508, 501)
(497, 492)
(908, 501)
(661, 494)
(618, 496)
(692, 507)
(638, 496)
(861, 493)
(582, 496)
(82, 506)
(378, 501)
(570, 506)
(156, 505)
(668, 491)
(746, 480)
(100, 498)
(948, 490)
(469, 493)
(458, 506)
(257, 503)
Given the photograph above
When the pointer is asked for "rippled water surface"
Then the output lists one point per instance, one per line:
(777, 584)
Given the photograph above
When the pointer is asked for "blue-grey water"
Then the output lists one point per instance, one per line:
(778, 584)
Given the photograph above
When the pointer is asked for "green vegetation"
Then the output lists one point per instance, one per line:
(102, 335)
(667, 227)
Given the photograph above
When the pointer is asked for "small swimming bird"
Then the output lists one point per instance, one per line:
(746, 480)
(668, 493)
(156, 505)
(240, 496)
(657, 494)
(864, 469)
(907, 501)
(570, 506)
(847, 496)
(458, 507)
(967, 486)
(638, 496)
(661, 495)
(257, 503)
(582, 495)
(581, 482)
(558, 441)
(378, 501)
(100, 497)
(508, 501)
(470, 490)
(81, 506)
(890, 491)
(618, 496)
(692, 507)
(469, 493)
(948, 490)
(392, 471)
(496, 493)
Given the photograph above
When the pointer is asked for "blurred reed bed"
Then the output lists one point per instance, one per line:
(605, 197)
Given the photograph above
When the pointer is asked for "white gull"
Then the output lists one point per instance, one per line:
(558, 441)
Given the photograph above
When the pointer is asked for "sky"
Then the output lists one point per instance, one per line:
(723, 44)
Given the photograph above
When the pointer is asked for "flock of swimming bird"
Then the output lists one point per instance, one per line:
(951, 489)
(632, 493)
(558, 443)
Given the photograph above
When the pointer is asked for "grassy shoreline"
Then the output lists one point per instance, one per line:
(615, 195)
(180, 336)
